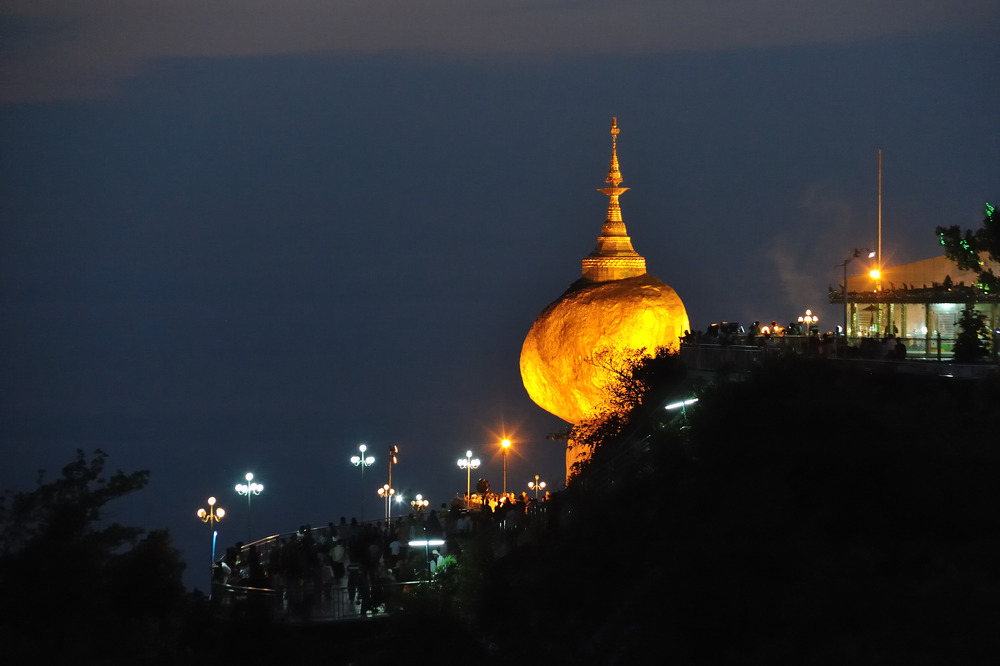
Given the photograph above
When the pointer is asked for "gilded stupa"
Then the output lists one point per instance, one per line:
(615, 308)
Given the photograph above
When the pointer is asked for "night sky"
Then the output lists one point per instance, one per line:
(250, 236)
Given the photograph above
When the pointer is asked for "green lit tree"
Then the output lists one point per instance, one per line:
(966, 248)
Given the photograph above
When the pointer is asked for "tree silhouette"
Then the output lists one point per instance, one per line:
(973, 341)
(641, 385)
(103, 591)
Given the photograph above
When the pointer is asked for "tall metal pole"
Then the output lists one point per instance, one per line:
(362, 461)
(505, 445)
(878, 283)
(393, 452)
(249, 488)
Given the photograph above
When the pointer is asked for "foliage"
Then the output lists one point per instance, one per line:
(68, 508)
(112, 594)
(965, 248)
(641, 383)
(974, 340)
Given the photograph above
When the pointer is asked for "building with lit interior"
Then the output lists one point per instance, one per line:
(919, 303)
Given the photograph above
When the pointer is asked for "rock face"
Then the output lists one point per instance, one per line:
(558, 365)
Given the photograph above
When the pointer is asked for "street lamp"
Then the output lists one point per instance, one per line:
(249, 489)
(393, 459)
(505, 447)
(363, 461)
(212, 516)
(843, 289)
(536, 485)
(807, 320)
(468, 463)
(386, 493)
(419, 503)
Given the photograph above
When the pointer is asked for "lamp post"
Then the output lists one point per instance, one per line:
(419, 503)
(386, 493)
(249, 489)
(468, 463)
(536, 485)
(505, 447)
(212, 516)
(363, 461)
(807, 320)
(843, 289)
(393, 459)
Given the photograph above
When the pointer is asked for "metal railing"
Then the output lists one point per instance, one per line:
(739, 358)
(304, 602)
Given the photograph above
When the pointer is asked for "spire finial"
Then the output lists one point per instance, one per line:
(614, 174)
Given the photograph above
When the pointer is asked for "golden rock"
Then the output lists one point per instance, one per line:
(615, 309)
(561, 364)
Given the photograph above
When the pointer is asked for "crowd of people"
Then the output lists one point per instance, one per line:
(313, 567)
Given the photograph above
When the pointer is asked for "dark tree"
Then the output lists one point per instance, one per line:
(101, 590)
(633, 399)
(973, 341)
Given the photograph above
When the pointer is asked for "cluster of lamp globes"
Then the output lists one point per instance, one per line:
(216, 514)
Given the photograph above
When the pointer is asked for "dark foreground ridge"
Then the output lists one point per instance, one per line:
(810, 512)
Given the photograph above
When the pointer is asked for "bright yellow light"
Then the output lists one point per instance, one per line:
(875, 274)
(505, 443)
(219, 513)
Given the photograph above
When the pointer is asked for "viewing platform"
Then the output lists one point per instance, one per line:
(359, 570)
(921, 356)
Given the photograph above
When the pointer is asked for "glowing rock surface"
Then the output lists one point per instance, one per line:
(558, 356)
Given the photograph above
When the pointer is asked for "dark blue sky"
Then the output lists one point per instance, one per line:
(259, 260)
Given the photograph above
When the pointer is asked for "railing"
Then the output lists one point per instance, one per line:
(923, 356)
(312, 603)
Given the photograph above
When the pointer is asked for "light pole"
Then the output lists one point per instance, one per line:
(843, 289)
(536, 485)
(386, 493)
(363, 461)
(807, 320)
(249, 489)
(505, 447)
(393, 459)
(468, 463)
(212, 516)
(419, 503)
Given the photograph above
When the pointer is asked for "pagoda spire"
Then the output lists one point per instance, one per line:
(614, 173)
(613, 257)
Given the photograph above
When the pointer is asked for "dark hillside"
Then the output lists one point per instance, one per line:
(810, 514)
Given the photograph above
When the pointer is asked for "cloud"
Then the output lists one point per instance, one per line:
(59, 49)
